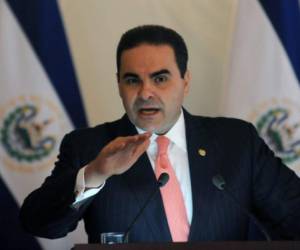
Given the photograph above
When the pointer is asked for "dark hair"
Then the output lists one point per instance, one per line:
(156, 35)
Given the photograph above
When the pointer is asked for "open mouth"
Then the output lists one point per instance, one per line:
(148, 111)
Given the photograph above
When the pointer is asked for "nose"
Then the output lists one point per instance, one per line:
(146, 91)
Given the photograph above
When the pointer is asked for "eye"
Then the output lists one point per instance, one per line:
(132, 80)
(161, 78)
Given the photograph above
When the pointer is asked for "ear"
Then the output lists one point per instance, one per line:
(118, 81)
(187, 80)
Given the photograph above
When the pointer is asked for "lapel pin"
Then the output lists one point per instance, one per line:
(202, 152)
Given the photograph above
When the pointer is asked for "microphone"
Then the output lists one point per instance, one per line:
(219, 182)
(161, 181)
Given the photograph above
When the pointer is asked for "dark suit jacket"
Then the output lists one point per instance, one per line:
(258, 180)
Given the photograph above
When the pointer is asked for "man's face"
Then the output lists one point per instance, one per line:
(151, 87)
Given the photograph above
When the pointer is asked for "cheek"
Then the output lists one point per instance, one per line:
(175, 97)
(174, 103)
(128, 99)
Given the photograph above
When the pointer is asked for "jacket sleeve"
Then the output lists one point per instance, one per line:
(48, 211)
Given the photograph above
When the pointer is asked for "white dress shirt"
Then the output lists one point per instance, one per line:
(178, 156)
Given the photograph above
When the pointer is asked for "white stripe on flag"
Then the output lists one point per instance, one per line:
(40, 120)
(261, 85)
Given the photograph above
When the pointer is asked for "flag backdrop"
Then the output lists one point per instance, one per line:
(40, 99)
(39, 102)
(263, 81)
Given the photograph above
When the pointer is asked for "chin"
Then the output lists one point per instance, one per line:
(156, 130)
(148, 128)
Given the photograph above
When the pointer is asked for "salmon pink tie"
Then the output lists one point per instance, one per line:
(171, 193)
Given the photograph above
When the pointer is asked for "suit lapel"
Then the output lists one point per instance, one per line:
(203, 166)
(141, 181)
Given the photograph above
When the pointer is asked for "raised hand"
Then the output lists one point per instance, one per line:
(116, 158)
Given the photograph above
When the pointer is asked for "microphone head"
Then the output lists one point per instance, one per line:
(219, 182)
(163, 179)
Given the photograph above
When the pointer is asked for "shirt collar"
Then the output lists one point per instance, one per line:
(176, 134)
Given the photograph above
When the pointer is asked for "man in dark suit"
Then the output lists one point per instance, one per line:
(105, 174)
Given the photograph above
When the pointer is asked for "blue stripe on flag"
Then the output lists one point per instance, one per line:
(285, 17)
(12, 235)
(43, 26)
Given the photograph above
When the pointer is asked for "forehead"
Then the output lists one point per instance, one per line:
(146, 57)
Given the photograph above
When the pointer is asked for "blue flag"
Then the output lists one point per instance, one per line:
(40, 101)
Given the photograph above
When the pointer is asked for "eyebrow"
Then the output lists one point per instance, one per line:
(130, 75)
(156, 73)
(163, 71)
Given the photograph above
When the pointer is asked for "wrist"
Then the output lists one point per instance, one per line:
(93, 178)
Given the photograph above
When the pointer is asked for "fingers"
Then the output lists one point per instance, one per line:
(136, 138)
(136, 144)
(128, 143)
(120, 154)
(140, 148)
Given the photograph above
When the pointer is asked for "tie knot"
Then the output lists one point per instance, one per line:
(162, 144)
